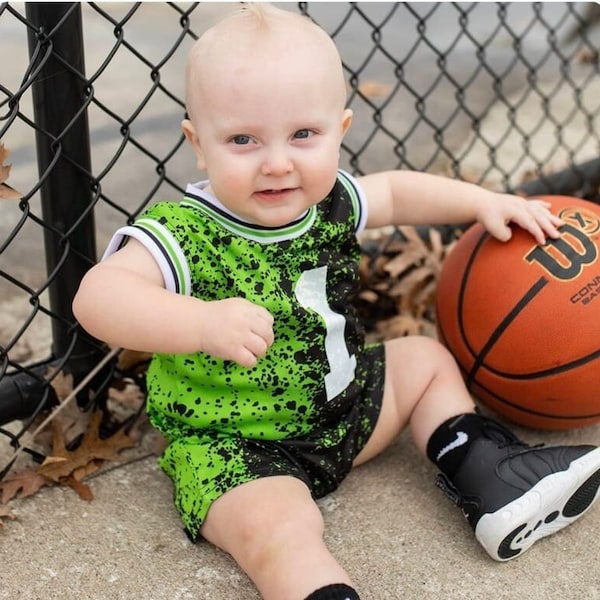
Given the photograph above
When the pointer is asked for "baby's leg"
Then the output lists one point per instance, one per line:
(423, 388)
(511, 494)
(274, 530)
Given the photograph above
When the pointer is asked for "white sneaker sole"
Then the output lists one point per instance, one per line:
(553, 503)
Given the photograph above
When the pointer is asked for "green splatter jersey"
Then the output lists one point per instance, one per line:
(304, 274)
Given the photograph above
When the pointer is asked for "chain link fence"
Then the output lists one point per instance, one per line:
(91, 100)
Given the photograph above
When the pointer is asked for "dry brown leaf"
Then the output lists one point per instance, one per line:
(73, 442)
(587, 56)
(413, 236)
(424, 299)
(375, 89)
(399, 326)
(91, 449)
(369, 296)
(84, 491)
(82, 472)
(437, 246)
(61, 382)
(129, 360)
(126, 395)
(54, 460)
(71, 420)
(398, 276)
(6, 192)
(410, 256)
(6, 513)
(411, 283)
(23, 484)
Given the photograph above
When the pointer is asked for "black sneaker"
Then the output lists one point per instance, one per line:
(512, 494)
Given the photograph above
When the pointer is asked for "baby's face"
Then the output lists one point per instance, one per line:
(267, 128)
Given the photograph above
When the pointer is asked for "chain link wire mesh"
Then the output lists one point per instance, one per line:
(91, 100)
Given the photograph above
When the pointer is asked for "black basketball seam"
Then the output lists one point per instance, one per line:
(533, 291)
(461, 292)
(524, 409)
(479, 357)
(531, 411)
(546, 372)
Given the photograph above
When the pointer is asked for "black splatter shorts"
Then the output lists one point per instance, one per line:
(206, 464)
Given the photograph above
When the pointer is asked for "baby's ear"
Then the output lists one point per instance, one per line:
(346, 120)
(192, 137)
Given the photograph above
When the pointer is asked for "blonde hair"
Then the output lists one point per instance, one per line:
(257, 10)
(261, 12)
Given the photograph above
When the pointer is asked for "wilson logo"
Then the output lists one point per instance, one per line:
(565, 257)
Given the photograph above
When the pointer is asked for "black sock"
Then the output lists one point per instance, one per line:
(336, 591)
(450, 442)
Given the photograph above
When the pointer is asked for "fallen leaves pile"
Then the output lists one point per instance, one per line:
(6, 192)
(399, 273)
(76, 445)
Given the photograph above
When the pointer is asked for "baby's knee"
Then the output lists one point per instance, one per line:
(265, 530)
(264, 541)
(424, 358)
(441, 353)
(255, 533)
(418, 349)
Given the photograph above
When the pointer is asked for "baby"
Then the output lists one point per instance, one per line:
(261, 380)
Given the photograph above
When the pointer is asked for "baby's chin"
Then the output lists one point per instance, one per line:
(277, 221)
(279, 216)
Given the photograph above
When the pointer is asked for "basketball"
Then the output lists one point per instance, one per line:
(523, 320)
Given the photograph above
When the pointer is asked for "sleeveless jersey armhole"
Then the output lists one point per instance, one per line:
(163, 247)
(359, 201)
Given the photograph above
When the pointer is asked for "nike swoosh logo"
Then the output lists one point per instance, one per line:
(461, 439)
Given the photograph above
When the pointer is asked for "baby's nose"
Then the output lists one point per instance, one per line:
(277, 162)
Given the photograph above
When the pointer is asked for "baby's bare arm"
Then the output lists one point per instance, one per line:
(413, 198)
(123, 302)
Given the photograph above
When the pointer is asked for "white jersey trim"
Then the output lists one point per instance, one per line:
(163, 247)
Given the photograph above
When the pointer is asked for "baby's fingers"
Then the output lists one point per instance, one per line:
(258, 339)
(539, 221)
(547, 223)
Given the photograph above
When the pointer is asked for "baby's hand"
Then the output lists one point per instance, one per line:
(236, 329)
(532, 215)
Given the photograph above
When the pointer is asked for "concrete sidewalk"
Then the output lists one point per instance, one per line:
(396, 534)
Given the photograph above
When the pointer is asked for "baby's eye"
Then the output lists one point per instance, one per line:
(302, 134)
(241, 140)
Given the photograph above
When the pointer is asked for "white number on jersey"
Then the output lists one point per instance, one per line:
(311, 292)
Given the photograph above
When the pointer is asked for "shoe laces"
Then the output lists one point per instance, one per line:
(503, 437)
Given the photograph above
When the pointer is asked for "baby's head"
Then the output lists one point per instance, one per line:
(265, 92)
(262, 41)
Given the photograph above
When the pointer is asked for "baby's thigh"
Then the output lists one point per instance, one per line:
(411, 364)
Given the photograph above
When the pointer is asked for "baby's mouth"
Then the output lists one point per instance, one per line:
(272, 193)
(276, 191)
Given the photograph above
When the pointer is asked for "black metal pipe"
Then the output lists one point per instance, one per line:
(22, 394)
(63, 153)
(583, 178)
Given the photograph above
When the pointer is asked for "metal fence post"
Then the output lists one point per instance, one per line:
(64, 163)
